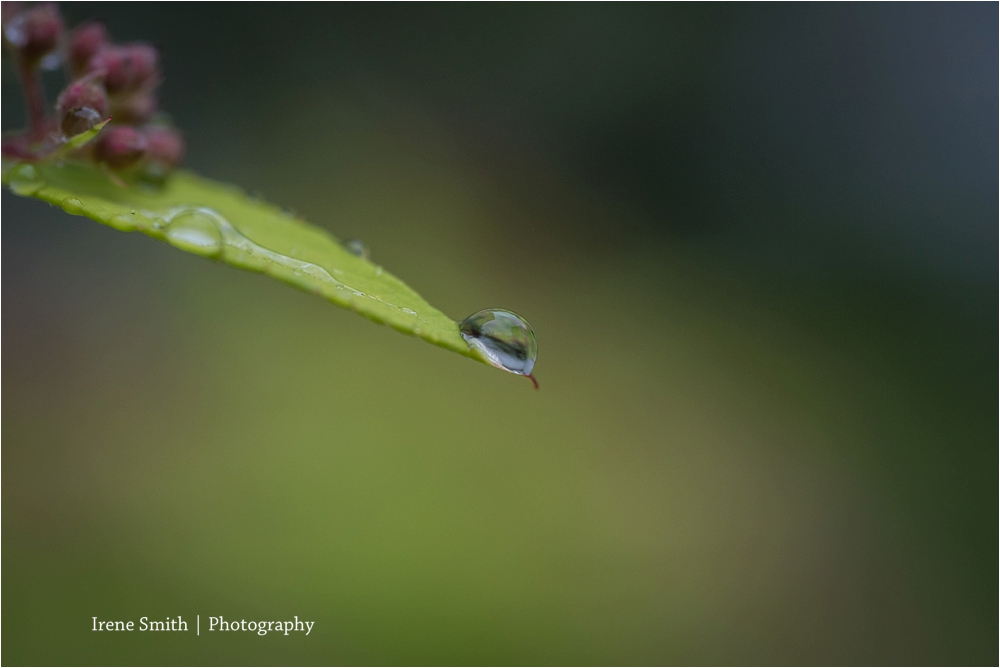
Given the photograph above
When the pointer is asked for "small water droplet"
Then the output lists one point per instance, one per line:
(73, 206)
(357, 247)
(126, 222)
(409, 311)
(24, 180)
(195, 232)
(504, 338)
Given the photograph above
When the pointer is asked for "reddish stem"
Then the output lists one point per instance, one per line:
(533, 380)
(34, 96)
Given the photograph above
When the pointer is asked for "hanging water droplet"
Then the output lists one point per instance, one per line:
(24, 180)
(504, 338)
(357, 247)
(73, 206)
(195, 232)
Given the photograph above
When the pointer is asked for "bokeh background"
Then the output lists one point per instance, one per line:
(758, 245)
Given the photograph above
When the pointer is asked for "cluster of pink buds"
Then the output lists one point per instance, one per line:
(106, 80)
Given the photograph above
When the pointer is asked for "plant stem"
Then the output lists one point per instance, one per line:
(34, 96)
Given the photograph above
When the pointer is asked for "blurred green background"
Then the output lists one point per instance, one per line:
(757, 244)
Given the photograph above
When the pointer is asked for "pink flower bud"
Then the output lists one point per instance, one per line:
(164, 145)
(34, 32)
(86, 92)
(120, 146)
(84, 44)
(82, 105)
(134, 109)
(127, 67)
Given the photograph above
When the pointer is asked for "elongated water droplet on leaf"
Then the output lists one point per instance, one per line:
(504, 338)
(195, 232)
(357, 247)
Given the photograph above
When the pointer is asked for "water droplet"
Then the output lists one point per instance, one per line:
(504, 338)
(24, 180)
(79, 120)
(195, 232)
(357, 247)
(73, 206)
(409, 311)
(126, 222)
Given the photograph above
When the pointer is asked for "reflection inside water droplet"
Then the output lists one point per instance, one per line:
(195, 232)
(357, 247)
(504, 338)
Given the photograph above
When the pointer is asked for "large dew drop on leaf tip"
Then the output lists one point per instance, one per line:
(195, 232)
(504, 338)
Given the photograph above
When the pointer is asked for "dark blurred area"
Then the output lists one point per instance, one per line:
(758, 244)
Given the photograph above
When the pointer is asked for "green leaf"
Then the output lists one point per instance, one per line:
(221, 222)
